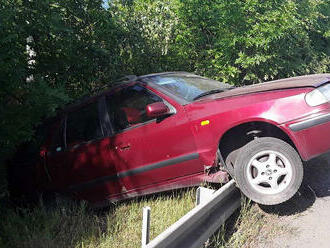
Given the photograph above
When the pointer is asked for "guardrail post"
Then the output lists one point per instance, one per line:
(203, 195)
(145, 226)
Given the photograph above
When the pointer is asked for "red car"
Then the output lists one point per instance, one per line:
(171, 130)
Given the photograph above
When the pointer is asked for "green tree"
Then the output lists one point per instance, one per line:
(72, 48)
(150, 29)
(251, 41)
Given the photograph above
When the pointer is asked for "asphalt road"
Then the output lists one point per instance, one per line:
(308, 213)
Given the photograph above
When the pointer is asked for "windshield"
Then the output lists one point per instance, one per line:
(188, 87)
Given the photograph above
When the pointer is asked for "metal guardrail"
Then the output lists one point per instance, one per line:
(194, 228)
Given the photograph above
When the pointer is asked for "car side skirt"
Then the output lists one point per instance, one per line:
(132, 172)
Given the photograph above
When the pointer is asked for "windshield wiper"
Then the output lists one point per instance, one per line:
(210, 92)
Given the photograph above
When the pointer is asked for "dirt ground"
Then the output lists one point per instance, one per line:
(307, 214)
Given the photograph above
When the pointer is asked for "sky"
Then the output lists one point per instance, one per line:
(105, 4)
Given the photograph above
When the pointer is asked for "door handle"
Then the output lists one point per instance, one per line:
(125, 147)
(121, 147)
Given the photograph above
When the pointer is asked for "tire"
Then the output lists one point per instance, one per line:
(231, 161)
(268, 171)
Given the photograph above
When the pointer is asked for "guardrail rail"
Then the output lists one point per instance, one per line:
(194, 228)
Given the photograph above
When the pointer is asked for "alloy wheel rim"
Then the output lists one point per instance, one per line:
(269, 172)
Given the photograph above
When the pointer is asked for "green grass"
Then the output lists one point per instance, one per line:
(249, 227)
(69, 224)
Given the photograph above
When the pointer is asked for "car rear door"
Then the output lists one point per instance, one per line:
(83, 156)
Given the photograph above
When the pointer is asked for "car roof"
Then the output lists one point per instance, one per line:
(106, 89)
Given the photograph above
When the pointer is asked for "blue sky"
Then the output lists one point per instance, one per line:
(105, 4)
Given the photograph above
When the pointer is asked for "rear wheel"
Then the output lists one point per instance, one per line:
(268, 170)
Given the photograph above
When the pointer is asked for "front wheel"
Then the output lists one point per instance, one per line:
(268, 170)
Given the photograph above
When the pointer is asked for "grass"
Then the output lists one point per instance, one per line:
(249, 227)
(70, 224)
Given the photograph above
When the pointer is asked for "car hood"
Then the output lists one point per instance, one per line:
(314, 80)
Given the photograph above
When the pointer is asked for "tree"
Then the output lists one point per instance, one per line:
(251, 41)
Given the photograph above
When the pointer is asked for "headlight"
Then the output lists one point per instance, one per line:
(318, 96)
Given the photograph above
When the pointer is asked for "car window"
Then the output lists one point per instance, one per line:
(187, 86)
(83, 125)
(127, 107)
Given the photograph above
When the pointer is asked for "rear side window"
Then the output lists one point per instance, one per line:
(83, 125)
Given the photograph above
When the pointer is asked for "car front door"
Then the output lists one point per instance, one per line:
(147, 150)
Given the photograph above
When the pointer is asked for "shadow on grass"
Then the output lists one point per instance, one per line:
(175, 193)
(225, 232)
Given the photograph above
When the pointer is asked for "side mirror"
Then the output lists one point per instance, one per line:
(157, 109)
